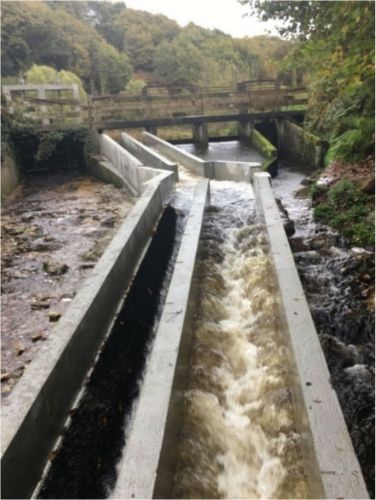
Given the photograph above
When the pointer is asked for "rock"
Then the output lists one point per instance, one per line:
(298, 245)
(54, 316)
(43, 246)
(39, 336)
(13, 229)
(5, 376)
(289, 228)
(54, 268)
(93, 254)
(5, 389)
(17, 274)
(20, 348)
(368, 185)
(306, 181)
(33, 230)
(88, 265)
(27, 217)
(39, 305)
(18, 372)
(321, 241)
(310, 257)
(109, 221)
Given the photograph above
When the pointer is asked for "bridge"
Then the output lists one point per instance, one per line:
(59, 106)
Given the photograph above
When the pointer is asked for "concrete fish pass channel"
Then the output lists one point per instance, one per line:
(188, 365)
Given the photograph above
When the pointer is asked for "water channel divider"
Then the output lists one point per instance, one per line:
(154, 430)
(34, 414)
(238, 171)
(146, 155)
(337, 464)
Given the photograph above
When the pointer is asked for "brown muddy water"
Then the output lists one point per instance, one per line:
(338, 281)
(54, 228)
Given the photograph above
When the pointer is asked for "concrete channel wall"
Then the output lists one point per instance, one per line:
(147, 156)
(265, 147)
(120, 166)
(153, 427)
(298, 145)
(337, 464)
(10, 173)
(221, 170)
(35, 412)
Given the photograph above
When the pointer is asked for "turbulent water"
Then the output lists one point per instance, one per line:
(238, 437)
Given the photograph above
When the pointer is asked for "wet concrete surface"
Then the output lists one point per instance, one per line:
(54, 228)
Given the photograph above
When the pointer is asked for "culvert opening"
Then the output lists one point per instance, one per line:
(84, 463)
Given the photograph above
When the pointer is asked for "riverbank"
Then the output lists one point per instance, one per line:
(338, 279)
(54, 229)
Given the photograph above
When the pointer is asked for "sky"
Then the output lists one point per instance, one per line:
(225, 15)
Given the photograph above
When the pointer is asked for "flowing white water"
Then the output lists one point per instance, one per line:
(238, 438)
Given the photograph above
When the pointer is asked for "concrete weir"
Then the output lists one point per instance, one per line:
(37, 409)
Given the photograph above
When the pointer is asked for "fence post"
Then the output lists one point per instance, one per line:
(43, 107)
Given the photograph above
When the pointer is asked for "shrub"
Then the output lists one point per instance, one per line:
(347, 209)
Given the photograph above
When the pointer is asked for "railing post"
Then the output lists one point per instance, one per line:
(43, 107)
(90, 112)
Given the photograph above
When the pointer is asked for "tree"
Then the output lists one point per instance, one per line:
(337, 41)
(45, 74)
(178, 62)
(47, 34)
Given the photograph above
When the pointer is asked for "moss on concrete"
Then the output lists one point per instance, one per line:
(265, 147)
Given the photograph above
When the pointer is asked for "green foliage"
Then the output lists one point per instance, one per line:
(98, 40)
(337, 46)
(135, 85)
(355, 143)
(45, 74)
(47, 34)
(347, 209)
(48, 149)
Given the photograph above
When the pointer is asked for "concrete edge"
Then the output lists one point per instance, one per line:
(189, 161)
(221, 170)
(10, 173)
(140, 462)
(239, 171)
(262, 144)
(147, 155)
(338, 465)
(35, 412)
(300, 145)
